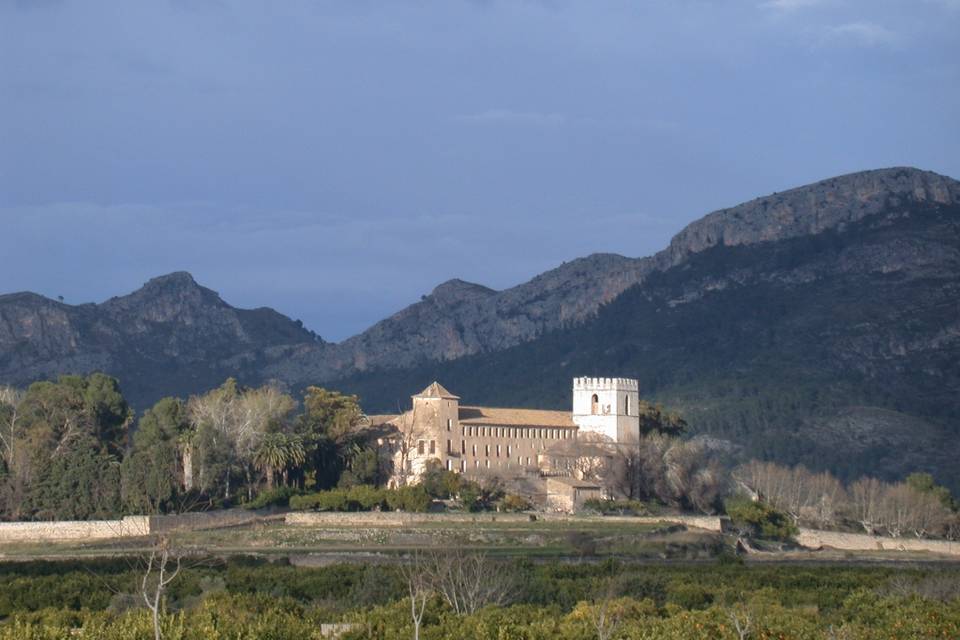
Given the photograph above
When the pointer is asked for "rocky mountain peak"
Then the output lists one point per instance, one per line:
(456, 290)
(177, 279)
(811, 209)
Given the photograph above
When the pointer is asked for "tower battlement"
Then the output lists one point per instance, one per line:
(605, 384)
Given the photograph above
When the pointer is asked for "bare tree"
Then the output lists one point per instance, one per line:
(241, 417)
(606, 617)
(741, 619)
(163, 565)
(695, 479)
(469, 581)
(816, 497)
(420, 589)
(10, 399)
(866, 496)
(409, 433)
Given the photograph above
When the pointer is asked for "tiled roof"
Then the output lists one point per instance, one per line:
(379, 419)
(436, 390)
(498, 416)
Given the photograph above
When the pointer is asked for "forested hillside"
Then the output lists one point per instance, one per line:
(840, 350)
(818, 325)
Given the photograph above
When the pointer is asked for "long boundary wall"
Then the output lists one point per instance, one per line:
(400, 519)
(129, 526)
(814, 538)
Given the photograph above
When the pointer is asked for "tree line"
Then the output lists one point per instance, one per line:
(916, 506)
(73, 448)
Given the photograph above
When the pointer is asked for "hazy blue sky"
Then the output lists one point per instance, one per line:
(336, 160)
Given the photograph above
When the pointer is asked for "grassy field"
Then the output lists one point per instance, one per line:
(587, 539)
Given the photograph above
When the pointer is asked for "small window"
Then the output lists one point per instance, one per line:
(433, 446)
(626, 405)
(449, 447)
(449, 465)
(486, 448)
(420, 447)
(595, 404)
(474, 451)
(463, 466)
(463, 447)
(498, 451)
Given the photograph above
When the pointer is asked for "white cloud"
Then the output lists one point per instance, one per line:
(507, 116)
(861, 34)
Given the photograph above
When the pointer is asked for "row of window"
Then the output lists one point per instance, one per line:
(462, 467)
(497, 432)
(516, 432)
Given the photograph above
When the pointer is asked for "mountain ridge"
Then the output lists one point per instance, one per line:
(172, 323)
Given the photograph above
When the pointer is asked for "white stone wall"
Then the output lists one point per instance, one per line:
(815, 539)
(74, 530)
(400, 519)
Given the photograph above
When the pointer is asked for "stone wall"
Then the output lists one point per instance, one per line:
(815, 539)
(399, 519)
(74, 530)
(200, 520)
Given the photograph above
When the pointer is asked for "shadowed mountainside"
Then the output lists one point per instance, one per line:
(819, 325)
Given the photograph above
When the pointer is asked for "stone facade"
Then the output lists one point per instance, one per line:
(511, 442)
(569, 494)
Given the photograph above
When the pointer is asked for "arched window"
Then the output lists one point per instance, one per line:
(626, 405)
(595, 404)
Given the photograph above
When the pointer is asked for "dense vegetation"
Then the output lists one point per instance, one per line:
(70, 449)
(70, 452)
(255, 599)
(776, 347)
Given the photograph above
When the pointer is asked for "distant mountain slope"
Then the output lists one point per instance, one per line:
(171, 336)
(839, 348)
(829, 289)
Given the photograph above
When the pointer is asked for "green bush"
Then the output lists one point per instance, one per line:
(759, 519)
(279, 497)
(364, 498)
(513, 502)
(617, 507)
(409, 498)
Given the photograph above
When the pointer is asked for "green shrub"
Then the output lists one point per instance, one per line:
(617, 507)
(409, 498)
(364, 498)
(759, 519)
(513, 502)
(279, 497)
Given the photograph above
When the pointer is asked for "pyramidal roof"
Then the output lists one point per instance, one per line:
(436, 390)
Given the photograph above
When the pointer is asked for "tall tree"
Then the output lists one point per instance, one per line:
(329, 422)
(151, 471)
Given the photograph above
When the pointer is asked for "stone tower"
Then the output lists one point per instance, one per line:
(608, 406)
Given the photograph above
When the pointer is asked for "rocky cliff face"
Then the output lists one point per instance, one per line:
(838, 350)
(170, 336)
(174, 336)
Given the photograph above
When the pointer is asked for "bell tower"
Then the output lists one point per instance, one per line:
(609, 407)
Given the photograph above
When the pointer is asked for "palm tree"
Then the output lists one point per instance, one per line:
(278, 452)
